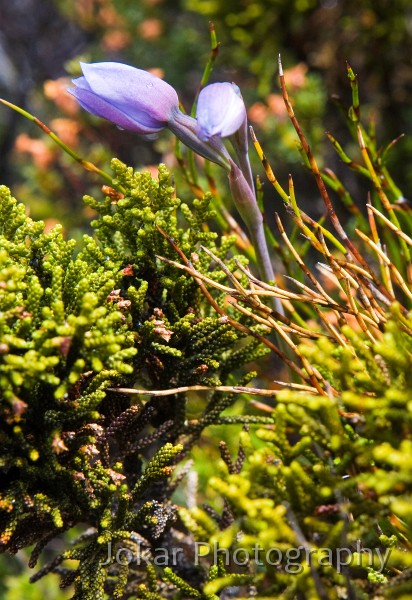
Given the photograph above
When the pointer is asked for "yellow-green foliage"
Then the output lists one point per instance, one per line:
(330, 473)
(75, 323)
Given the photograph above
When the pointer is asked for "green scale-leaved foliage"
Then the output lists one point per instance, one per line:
(75, 323)
(330, 477)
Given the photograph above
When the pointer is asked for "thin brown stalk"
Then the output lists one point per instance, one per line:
(395, 273)
(331, 328)
(296, 386)
(239, 326)
(235, 282)
(385, 272)
(357, 314)
(268, 321)
(192, 271)
(231, 389)
(351, 248)
(391, 225)
(300, 262)
(370, 303)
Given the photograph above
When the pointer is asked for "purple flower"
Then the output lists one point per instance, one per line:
(220, 111)
(139, 101)
(131, 98)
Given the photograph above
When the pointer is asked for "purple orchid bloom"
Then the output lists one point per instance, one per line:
(131, 98)
(136, 100)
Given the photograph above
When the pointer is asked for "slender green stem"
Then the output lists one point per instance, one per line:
(214, 51)
(89, 166)
(246, 204)
(346, 159)
(354, 111)
(382, 196)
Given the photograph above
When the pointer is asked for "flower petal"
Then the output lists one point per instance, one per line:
(101, 108)
(131, 98)
(220, 110)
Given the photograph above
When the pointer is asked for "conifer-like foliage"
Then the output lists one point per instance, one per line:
(75, 323)
(323, 503)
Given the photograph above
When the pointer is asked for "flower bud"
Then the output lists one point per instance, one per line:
(220, 111)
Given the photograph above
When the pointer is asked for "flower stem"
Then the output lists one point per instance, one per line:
(246, 204)
(89, 166)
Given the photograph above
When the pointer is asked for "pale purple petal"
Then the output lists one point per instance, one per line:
(220, 111)
(101, 108)
(132, 98)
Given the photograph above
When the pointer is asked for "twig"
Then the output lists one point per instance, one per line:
(231, 389)
(322, 189)
(391, 225)
(242, 328)
(86, 164)
(395, 273)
